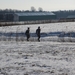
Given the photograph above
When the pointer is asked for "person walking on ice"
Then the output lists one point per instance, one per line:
(38, 33)
(27, 33)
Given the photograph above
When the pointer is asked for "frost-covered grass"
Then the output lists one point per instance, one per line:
(37, 58)
(47, 57)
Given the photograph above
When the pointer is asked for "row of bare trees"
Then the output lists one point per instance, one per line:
(13, 10)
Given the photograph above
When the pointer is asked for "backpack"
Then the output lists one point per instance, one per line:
(37, 31)
(26, 32)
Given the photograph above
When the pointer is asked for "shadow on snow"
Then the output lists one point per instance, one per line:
(22, 34)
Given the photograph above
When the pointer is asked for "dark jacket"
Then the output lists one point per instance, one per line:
(38, 32)
(27, 33)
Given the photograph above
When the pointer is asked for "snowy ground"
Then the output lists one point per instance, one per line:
(48, 57)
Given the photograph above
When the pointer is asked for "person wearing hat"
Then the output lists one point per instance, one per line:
(27, 33)
(38, 33)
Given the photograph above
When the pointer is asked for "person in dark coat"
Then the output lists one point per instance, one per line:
(28, 33)
(38, 33)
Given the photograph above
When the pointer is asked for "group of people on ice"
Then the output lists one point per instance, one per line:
(27, 33)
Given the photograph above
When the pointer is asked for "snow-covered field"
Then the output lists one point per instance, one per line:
(47, 57)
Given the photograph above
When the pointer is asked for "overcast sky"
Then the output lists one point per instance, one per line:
(47, 5)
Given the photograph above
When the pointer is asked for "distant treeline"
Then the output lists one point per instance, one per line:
(64, 13)
(12, 11)
(60, 14)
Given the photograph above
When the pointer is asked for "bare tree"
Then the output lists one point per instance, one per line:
(33, 9)
(40, 9)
